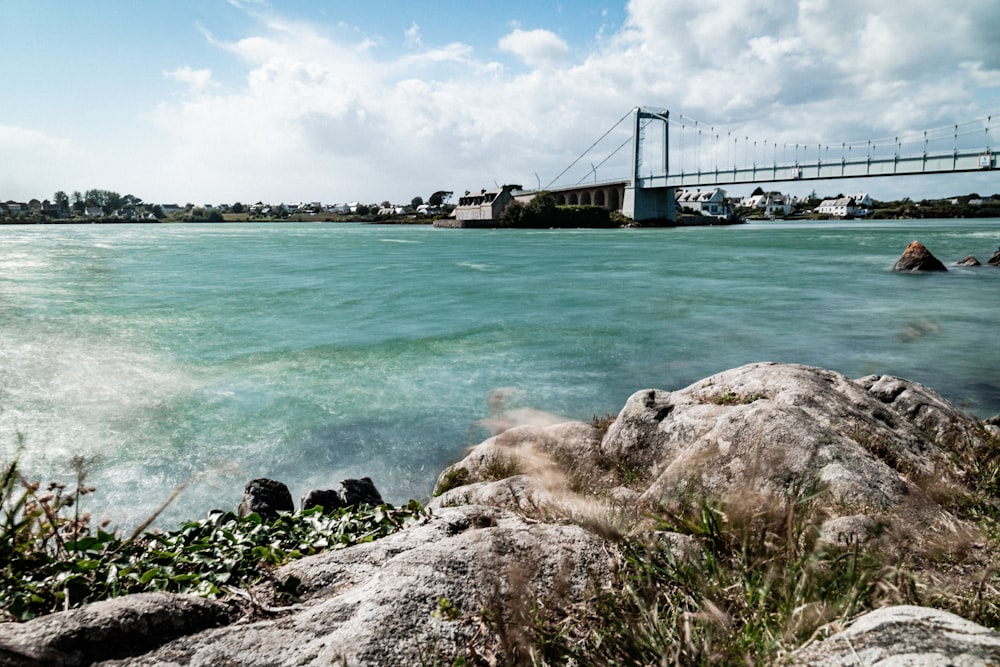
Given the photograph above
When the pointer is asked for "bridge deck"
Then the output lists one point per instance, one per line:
(893, 165)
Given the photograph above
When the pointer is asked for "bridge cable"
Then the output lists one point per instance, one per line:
(573, 163)
(611, 154)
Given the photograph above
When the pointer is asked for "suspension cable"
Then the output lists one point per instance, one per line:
(580, 157)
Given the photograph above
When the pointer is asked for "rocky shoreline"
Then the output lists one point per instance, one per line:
(539, 518)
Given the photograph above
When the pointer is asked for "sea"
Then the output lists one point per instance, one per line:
(187, 359)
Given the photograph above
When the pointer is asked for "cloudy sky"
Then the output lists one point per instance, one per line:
(286, 100)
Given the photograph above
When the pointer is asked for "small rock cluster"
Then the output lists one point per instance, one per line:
(917, 258)
(268, 497)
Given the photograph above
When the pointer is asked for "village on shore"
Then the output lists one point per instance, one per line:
(110, 207)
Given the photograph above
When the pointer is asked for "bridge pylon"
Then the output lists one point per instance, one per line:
(646, 198)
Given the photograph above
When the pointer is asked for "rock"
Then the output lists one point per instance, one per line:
(328, 499)
(918, 258)
(775, 429)
(968, 261)
(266, 497)
(360, 492)
(411, 598)
(114, 629)
(762, 433)
(995, 259)
(352, 492)
(904, 635)
(848, 531)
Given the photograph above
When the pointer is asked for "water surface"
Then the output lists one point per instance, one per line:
(208, 355)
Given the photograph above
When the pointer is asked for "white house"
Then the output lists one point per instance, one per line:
(851, 206)
(771, 204)
(704, 202)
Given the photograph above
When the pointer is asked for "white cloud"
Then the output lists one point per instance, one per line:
(321, 115)
(199, 80)
(32, 157)
(537, 48)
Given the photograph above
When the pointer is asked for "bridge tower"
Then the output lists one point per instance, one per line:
(648, 198)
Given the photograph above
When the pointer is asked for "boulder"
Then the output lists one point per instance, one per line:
(995, 259)
(968, 261)
(266, 497)
(411, 598)
(352, 492)
(114, 629)
(916, 257)
(904, 635)
(778, 429)
(762, 433)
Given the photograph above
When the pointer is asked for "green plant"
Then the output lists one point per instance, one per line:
(730, 397)
(50, 561)
(501, 466)
(452, 479)
(602, 424)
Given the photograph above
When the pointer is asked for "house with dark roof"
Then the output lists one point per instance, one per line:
(485, 205)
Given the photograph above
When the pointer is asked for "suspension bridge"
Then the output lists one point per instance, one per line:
(681, 153)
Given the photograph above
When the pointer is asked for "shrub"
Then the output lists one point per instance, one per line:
(50, 561)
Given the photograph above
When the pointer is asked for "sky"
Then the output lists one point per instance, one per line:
(212, 101)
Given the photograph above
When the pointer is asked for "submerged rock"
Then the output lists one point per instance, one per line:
(968, 261)
(995, 259)
(917, 257)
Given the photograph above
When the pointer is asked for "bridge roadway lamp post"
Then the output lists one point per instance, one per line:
(652, 200)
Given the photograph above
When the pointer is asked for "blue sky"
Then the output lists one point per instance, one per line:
(224, 100)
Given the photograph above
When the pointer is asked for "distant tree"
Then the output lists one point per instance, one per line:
(440, 198)
(363, 209)
(60, 199)
(386, 204)
(416, 201)
(542, 206)
(78, 203)
(237, 208)
(514, 215)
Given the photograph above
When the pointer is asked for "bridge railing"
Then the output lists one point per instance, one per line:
(844, 167)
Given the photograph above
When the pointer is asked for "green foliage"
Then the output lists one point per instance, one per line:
(52, 560)
(542, 213)
(732, 398)
(452, 479)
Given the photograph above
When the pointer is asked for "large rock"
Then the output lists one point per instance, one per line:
(778, 428)
(968, 261)
(760, 433)
(904, 635)
(266, 497)
(916, 257)
(408, 599)
(115, 629)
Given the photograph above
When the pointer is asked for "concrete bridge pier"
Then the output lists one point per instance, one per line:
(650, 204)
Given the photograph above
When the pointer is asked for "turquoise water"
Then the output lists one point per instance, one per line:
(208, 355)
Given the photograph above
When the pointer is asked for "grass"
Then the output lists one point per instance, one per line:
(759, 584)
(52, 559)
